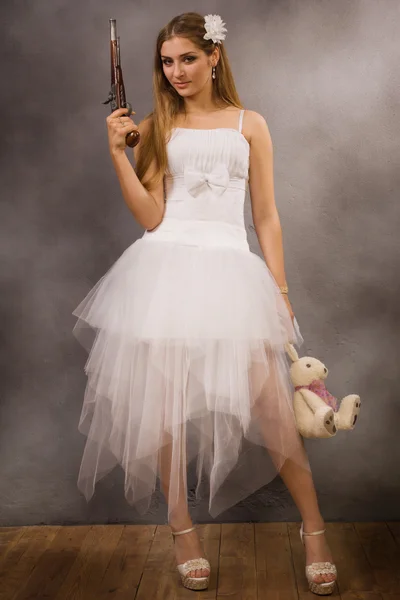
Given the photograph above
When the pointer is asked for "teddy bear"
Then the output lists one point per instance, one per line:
(317, 412)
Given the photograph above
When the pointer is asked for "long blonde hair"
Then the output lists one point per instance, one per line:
(168, 103)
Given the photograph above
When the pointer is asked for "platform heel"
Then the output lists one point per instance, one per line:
(193, 583)
(319, 568)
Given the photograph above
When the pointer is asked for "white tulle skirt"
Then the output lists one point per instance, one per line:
(187, 366)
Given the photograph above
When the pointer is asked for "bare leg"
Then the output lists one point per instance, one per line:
(301, 487)
(298, 479)
(186, 546)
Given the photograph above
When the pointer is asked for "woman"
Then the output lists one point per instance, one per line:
(188, 360)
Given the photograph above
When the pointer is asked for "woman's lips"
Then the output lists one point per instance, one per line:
(182, 84)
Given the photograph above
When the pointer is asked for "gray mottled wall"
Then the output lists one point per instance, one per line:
(325, 76)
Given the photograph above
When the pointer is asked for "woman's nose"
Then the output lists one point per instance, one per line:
(178, 72)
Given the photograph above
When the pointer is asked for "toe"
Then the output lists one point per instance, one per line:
(199, 573)
(328, 577)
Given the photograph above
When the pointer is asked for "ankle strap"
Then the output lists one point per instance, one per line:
(184, 531)
(314, 532)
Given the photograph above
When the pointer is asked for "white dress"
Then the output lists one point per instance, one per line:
(185, 334)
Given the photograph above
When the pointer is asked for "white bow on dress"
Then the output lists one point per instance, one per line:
(216, 180)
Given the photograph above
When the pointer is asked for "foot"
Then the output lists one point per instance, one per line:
(317, 549)
(187, 546)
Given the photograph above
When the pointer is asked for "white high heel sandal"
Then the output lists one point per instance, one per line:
(319, 568)
(193, 583)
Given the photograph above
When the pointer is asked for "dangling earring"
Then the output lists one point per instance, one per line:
(213, 72)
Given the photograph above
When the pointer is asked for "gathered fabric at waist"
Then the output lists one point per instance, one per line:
(197, 232)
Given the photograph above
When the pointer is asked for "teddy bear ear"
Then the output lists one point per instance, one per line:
(291, 350)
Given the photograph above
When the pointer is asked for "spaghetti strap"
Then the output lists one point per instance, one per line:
(241, 120)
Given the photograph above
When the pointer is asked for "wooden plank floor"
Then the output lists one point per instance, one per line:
(249, 561)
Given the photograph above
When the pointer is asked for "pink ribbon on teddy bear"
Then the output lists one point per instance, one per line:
(318, 387)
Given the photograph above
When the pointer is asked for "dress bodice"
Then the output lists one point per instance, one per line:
(207, 180)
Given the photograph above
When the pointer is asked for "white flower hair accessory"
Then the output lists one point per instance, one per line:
(215, 29)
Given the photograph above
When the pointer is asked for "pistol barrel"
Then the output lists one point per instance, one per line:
(116, 96)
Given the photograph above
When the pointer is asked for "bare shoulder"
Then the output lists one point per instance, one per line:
(256, 128)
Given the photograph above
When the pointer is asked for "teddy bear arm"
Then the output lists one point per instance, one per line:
(313, 401)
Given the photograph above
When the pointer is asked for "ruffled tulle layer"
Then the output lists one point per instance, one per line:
(187, 365)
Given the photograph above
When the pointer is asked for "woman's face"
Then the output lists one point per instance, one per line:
(183, 62)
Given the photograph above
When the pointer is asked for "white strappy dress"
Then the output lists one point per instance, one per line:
(186, 344)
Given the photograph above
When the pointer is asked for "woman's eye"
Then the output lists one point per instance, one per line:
(190, 58)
